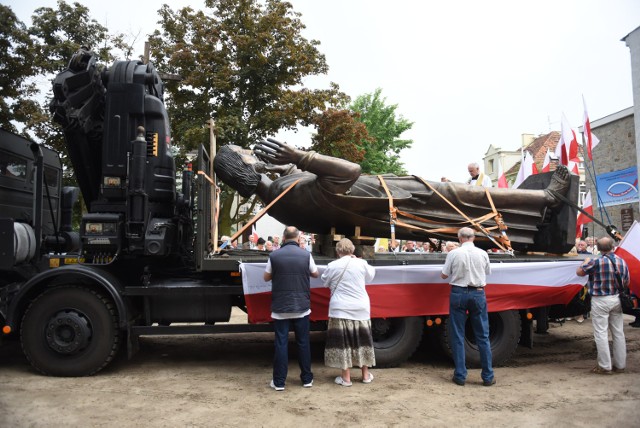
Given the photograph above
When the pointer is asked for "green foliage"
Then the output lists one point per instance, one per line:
(341, 135)
(242, 62)
(15, 89)
(25, 85)
(382, 153)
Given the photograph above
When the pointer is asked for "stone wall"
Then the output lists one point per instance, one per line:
(616, 151)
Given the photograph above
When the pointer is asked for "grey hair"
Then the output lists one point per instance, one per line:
(345, 247)
(475, 165)
(466, 232)
(605, 244)
(290, 233)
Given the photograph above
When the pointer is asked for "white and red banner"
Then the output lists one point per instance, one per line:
(629, 250)
(414, 290)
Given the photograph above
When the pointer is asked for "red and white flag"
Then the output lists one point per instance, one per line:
(418, 290)
(573, 167)
(589, 137)
(502, 179)
(629, 250)
(527, 168)
(587, 206)
(546, 164)
(567, 148)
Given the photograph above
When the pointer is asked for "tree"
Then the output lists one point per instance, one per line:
(341, 134)
(242, 62)
(57, 34)
(382, 154)
(15, 90)
(33, 55)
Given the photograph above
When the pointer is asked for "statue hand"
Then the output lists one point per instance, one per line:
(274, 152)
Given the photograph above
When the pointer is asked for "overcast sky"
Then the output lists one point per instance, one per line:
(468, 73)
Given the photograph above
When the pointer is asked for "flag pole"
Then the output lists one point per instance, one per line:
(592, 176)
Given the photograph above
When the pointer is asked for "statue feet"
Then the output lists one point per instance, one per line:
(560, 182)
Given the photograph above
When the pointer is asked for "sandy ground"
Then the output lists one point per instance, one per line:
(222, 380)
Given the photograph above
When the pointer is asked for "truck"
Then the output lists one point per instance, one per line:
(144, 261)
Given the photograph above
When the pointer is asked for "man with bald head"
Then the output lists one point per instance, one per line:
(607, 273)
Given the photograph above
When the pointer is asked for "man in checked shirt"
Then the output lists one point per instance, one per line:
(608, 273)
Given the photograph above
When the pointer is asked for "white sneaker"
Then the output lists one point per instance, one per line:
(277, 388)
(368, 380)
(308, 385)
(342, 382)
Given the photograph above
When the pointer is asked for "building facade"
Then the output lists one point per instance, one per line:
(615, 152)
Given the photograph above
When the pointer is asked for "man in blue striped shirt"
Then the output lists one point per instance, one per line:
(607, 275)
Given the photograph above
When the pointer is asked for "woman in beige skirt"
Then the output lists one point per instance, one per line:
(349, 341)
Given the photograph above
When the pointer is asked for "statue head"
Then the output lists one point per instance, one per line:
(236, 167)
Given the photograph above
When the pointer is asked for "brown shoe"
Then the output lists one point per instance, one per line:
(617, 370)
(600, 370)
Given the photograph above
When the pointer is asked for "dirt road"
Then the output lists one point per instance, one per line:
(219, 381)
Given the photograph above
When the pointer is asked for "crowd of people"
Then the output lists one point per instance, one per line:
(272, 243)
(435, 246)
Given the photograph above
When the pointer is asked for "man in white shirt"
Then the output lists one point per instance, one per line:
(477, 178)
(467, 268)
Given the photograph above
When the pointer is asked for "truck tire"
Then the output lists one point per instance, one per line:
(395, 339)
(504, 335)
(70, 331)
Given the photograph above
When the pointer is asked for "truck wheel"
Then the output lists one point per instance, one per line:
(504, 335)
(395, 339)
(70, 331)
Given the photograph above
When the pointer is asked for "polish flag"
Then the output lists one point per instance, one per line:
(589, 137)
(526, 169)
(546, 164)
(534, 167)
(418, 290)
(567, 148)
(502, 179)
(255, 235)
(587, 205)
(629, 250)
(573, 167)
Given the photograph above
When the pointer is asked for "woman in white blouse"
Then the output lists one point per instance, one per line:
(349, 341)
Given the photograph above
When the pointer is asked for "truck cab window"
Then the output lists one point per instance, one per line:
(12, 166)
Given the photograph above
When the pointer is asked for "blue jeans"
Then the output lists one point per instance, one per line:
(281, 358)
(474, 301)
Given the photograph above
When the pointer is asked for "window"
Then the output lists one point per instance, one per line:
(12, 166)
(490, 166)
(51, 177)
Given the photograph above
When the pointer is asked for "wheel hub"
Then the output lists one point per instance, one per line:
(380, 327)
(68, 332)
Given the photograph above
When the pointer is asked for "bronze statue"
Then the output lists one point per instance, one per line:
(332, 193)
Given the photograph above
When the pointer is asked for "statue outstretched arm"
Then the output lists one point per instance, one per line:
(335, 175)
